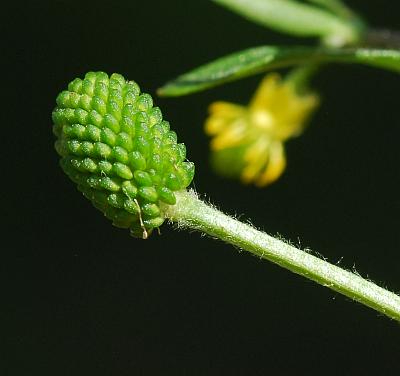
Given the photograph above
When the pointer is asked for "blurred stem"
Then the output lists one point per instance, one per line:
(301, 76)
(192, 213)
(382, 38)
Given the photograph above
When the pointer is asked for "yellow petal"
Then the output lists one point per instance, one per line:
(226, 109)
(215, 125)
(286, 109)
(255, 157)
(295, 109)
(249, 173)
(257, 150)
(275, 166)
(231, 136)
(222, 116)
(266, 91)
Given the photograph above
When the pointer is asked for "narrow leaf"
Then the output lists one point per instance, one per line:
(264, 58)
(337, 7)
(294, 18)
(340, 9)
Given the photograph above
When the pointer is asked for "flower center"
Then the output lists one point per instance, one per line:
(263, 119)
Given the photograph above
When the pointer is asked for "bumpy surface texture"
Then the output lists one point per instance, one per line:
(114, 144)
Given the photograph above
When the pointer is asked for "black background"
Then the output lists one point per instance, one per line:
(83, 298)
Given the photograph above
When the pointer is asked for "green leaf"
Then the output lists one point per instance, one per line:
(340, 9)
(296, 18)
(337, 7)
(264, 58)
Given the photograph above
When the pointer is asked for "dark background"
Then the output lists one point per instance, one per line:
(83, 298)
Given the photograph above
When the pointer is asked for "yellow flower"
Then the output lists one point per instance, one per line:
(248, 141)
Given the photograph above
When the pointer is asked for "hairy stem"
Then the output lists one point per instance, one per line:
(192, 213)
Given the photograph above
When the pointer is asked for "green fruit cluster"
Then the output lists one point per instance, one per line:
(114, 144)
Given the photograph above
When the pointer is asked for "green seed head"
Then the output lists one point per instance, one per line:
(114, 144)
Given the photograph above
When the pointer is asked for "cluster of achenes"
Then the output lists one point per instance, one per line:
(114, 144)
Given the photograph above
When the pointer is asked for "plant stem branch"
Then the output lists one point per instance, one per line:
(191, 212)
(382, 38)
